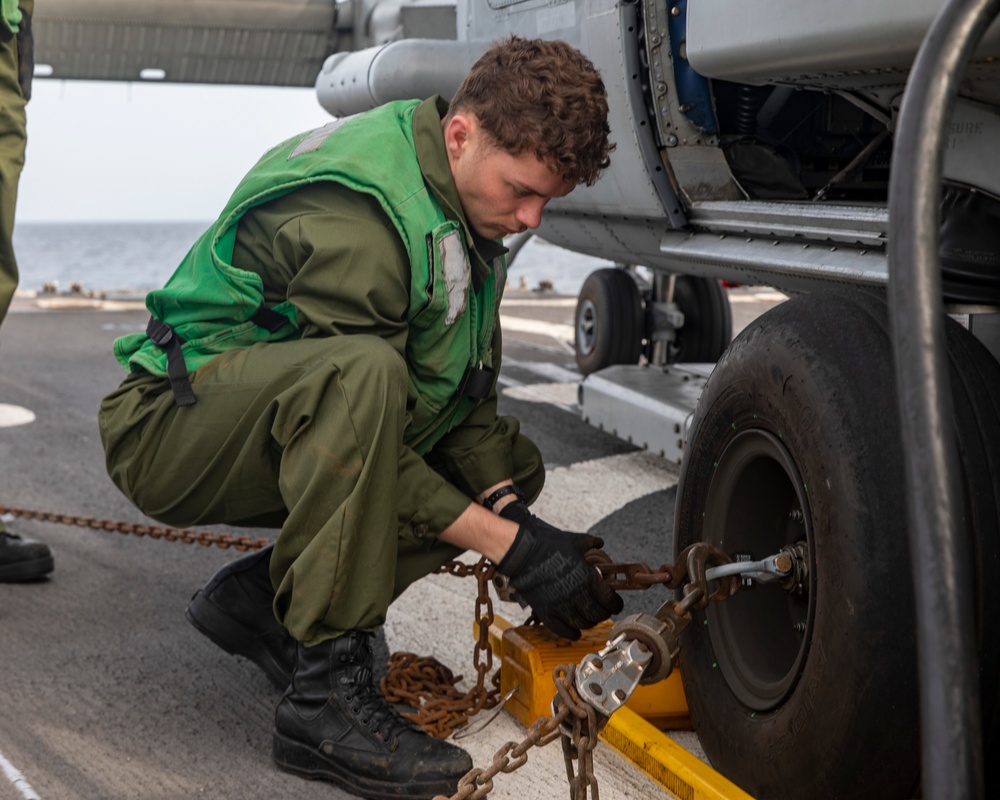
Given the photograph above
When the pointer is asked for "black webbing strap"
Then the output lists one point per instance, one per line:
(269, 319)
(476, 382)
(163, 336)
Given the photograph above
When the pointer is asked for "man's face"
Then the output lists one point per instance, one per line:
(500, 193)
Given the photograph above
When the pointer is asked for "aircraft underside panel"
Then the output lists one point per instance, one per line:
(852, 44)
(258, 42)
(741, 242)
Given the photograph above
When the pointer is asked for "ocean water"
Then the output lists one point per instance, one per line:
(134, 257)
(101, 256)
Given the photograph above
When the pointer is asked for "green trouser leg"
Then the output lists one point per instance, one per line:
(312, 426)
(305, 435)
(12, 142)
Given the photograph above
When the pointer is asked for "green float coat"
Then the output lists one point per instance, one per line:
(209, 302)
(319, 428)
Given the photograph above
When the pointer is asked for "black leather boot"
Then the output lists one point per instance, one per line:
(333, 724)
(22, 559)
(234, 610)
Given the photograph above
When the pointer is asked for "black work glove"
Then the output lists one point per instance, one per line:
(548, 569)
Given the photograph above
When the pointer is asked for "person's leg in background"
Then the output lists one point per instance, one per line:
(20, 559)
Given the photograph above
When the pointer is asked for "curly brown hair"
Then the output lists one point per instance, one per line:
(541, 96)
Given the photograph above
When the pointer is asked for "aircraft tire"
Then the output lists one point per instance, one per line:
(974, 371)
(708, 321)
(979, 451)
(608, 321)
(813, 692)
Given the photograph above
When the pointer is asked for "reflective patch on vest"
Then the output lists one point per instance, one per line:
(455, 264)
(315, 139)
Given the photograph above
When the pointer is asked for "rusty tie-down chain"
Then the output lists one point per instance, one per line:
(185, 535)
(579, 735)
(574, 720)
(429, 686)
(629, 576)
(638, 576)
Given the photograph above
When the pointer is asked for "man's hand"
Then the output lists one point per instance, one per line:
(548, 569)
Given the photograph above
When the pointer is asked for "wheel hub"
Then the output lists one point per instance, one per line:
(757, 504)
(586, 327)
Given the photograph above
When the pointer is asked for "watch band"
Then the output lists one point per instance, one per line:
(503, 491)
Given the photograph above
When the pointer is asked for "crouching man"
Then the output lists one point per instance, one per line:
(324, 361)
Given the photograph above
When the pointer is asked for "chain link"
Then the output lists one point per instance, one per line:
(429, 686)
(581, 732)
(185, 535)
(624, 576)
(579, 735)
(688, 572)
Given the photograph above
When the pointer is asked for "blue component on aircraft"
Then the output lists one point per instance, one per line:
(692, 88)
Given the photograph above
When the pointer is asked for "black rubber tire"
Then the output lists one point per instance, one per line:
(708, 321)
(816, 696)
(609, 321)
(976, 378)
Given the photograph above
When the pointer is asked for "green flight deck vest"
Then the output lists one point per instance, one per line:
(208, 306)
(10, 18)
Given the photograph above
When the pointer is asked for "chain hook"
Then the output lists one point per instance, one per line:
(699, 557)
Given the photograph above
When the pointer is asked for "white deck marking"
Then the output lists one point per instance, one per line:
(12, 416)
(527, 302)
(557, 330)
(758, 297)
(17, 780)
(552, 372)
(563, 395)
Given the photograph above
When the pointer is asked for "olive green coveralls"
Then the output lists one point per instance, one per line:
(13, 138)
(308, 434)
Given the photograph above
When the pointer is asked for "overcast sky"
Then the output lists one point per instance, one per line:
(149, 151)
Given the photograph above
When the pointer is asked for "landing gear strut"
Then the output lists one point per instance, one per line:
(675, 319)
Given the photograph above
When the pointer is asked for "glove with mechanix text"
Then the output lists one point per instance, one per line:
(547, 568)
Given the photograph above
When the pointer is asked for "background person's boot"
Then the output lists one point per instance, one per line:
(333, 724)
(22, 559)
(235, 611)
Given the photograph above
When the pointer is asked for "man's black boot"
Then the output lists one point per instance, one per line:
(234, 610)
(22, 559)
(333, 724)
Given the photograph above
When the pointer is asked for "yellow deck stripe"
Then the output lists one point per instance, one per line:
(665, 761)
